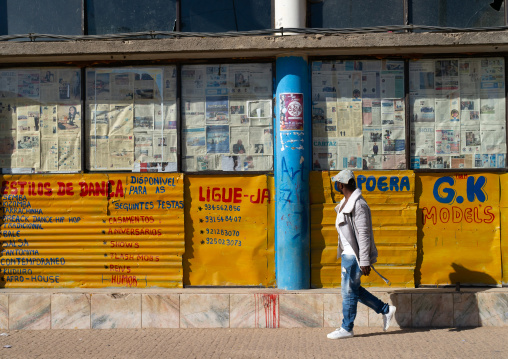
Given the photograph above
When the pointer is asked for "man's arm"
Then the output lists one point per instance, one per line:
(363, 226)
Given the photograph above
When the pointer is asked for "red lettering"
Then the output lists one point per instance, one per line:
(5, 185)
(201, 198)
(61, 189)
(468, 215)
(14, 190)
(237, 195)
(265, 195)
(490, 214)
(40, 188)
(476, 217)
(456, 214)
(429, 214)
(100, 189)
(84, 189)
(47, 187)
(444, 215)
(119, 189)
(257, 200)
(216, 194)
(22, 184)
(111, 183)
(224, 199)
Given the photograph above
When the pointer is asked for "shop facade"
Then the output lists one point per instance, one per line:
(188, 156)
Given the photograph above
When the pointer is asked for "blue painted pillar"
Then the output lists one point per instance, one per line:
(291, 170)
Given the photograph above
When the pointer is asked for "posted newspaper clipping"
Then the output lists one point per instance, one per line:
(358, 115)
(458, 113)
(40, 120)
(227, 117)
(132, 119)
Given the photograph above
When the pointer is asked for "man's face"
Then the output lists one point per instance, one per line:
(340, 187)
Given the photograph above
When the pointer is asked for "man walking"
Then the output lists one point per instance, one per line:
(358, 252)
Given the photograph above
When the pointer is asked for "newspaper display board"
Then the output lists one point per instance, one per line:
(40, 120)
(227, 117)
(131, 119)
(457, 113)
(358, 115)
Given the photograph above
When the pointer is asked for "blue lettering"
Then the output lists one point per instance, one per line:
(361, 179)
(475, 190)
(404, 183)
(394, 183)
(450, 192)
(371, 183)
(381, 184)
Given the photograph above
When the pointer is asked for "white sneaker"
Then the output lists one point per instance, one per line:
(340, 334)
(387, 318)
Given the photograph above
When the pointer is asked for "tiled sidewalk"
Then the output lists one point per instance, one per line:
(242, 308)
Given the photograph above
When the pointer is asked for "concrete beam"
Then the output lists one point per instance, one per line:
(399, 44)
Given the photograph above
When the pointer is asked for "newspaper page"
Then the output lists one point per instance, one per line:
(349, 119)
(493, 139)
(260, 141)
(49, 121)
(372, 162)
(470, 140)
(217, 139)
(121, 152)
(164, 146)
(49, 87)
(144, 117)
(8, 84)
(372, 141)
(350, 153)
(223, 101)
(447, 140)
(394, 140)
(423, 140)
(8, 115)
(260, 112)
(193, 112)
(69, 153)
(393, 162)
(217, 110)
(324, 153)
(143, 147)
(49, 154)
(194, 141)
(238, 115)
(239, 140)
(122, 87)
(99, 152)
(120, 118)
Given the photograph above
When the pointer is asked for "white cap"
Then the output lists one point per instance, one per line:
(343, 176)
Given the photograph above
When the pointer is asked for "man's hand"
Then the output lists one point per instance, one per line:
(365, 270)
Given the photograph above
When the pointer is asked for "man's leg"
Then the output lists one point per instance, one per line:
(378, 306)
(351, 281)
(371, 301)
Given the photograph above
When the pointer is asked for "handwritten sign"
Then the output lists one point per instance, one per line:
(226, 230)
(93, 230)
(459, 219)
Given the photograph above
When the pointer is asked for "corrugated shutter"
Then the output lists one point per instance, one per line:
(96, 230)
(394, 225)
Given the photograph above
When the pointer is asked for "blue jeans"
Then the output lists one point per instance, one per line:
(353, 292)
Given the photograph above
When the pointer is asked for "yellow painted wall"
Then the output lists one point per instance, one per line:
(390, 195)
(92, 230)
(503, 179)
(227, 236)
(459, 233)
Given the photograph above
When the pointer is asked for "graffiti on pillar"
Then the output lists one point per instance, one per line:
(291, 112)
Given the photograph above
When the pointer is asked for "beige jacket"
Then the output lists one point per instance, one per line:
(355, 222)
